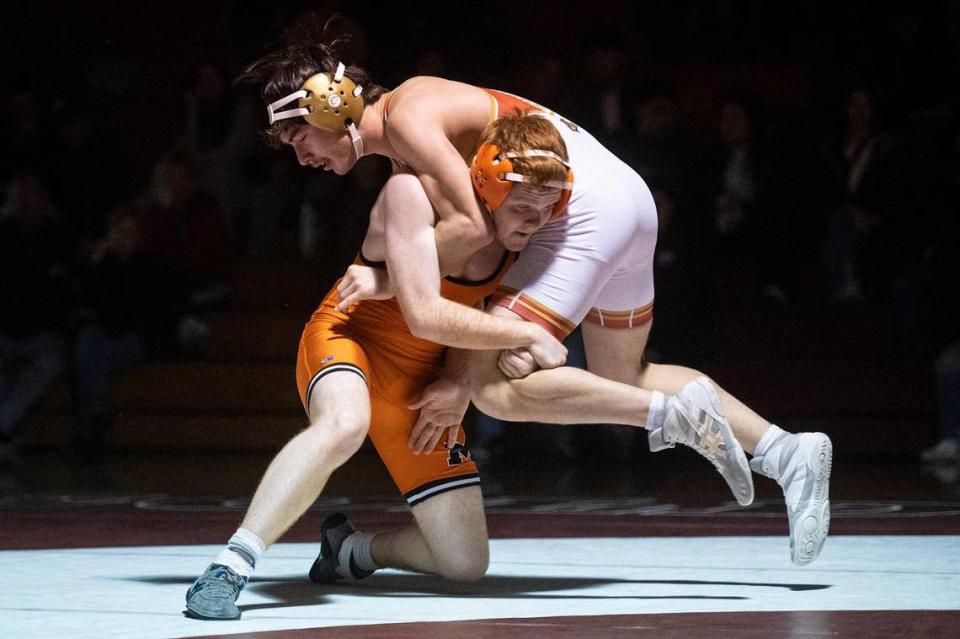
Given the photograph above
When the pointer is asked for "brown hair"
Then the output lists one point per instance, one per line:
(526, 131)
(309, 51)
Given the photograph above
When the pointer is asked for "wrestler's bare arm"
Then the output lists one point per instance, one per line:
(420, 129)
(414, 269)
(443, 404)
(563, 395)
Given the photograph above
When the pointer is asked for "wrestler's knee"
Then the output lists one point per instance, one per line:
(341, 434)
(465, 563)
(489, 389)
(493, 399)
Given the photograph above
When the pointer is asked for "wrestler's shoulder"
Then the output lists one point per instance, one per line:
(429, 93)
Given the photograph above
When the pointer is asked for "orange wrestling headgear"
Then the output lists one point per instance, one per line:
(493, 176)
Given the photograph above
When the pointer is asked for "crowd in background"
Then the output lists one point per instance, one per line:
(799, 156)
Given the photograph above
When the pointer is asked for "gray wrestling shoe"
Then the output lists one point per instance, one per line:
(694, 418)
(801, 464)
(214, 594)
(329, 566)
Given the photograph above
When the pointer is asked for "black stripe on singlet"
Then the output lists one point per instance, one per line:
(486, 280)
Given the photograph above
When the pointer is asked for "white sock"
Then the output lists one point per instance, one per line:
(768, 438)
(242, 552)
(657, 411)
(359, 545)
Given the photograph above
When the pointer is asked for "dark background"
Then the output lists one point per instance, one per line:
(825, 299)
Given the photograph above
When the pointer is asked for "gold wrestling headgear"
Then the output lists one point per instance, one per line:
(328, 103)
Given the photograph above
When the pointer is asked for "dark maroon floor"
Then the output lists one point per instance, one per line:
(200, 499)
(920, 624)
(179, 499)
(160, 522)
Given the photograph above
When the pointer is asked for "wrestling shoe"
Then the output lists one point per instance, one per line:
(801, 465)
(214, 594)
(329, 566)
(694, 418)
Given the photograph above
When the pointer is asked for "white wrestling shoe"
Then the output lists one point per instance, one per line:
(694, 418)
(801, 465)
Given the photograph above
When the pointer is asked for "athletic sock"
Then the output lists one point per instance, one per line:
(657, 411)
(771, 435)
(242, 552)
(359, 546)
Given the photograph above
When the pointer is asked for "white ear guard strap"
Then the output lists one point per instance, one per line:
(554, 184)
(535, 153)
(275, 115)
(356, 139)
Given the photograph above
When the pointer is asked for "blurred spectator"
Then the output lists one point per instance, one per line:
(947, 449)
(338, 210)
(184, 226)
(548, 84)
(663, 156)
(660, 150)
(604, 113)
(274, 196)
(736, 174)
(941, 270)
(131, 304)
(34, 289)
(84, 177)
(854, 260)
(752, 232)
(220, 140)
(25, 138)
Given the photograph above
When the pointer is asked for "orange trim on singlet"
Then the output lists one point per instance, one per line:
(621, 319)
(533, 311)
(506, 103)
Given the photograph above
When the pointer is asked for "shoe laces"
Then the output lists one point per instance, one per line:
(705, 441)
(222, 583)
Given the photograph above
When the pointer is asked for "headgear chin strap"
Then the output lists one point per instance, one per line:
(328, 103)
(493, 176)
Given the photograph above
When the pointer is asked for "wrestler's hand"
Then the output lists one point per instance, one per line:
(363, 283)
(442, 406)
(516, 363)
(546, 350)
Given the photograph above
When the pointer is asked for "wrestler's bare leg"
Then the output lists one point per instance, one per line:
(339, 415)
(617, 354)
(339, 420)
(801, 463)
(690, 415)
(449, 538)
(563, 395)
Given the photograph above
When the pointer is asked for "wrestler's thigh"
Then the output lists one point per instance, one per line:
(340, 400)
(454, 522)
(615, 353)
(424, 477)
(618, 354)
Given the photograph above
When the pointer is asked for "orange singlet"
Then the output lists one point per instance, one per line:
(374, 342)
